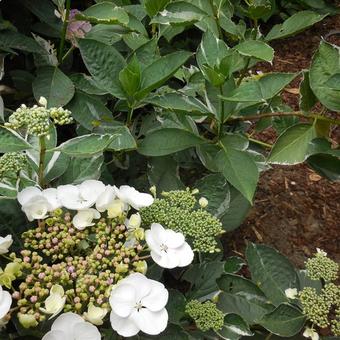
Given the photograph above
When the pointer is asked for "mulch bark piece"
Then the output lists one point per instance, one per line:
(295, 210)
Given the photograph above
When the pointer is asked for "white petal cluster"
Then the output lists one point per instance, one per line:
(70, 326)
(291, 293)
(5, 243)
(168, 248)
(138, 304)
(55, 302)
(89, 198)
(5, 302)
(310, 333)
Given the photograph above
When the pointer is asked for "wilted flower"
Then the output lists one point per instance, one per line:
(76, 28)
(138, 304)
(5, 302)
(291, 293)
(71, 326)
(134, 198)
(95, 315)
(310, 333)
(79, 197)
(168, 248)
(84, 218)
(5, 243)
(54, 304)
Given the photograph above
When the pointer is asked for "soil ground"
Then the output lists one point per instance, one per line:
(295, 210)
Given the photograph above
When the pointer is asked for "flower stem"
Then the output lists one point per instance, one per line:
(220, 123)
(42, 154)
(63, 31)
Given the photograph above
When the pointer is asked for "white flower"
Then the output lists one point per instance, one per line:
(136, 199)
(168, 248)
(138, 304)
(95, 314)
(79, 197)
(5, 302)
(134, 222)
(84, 218)
(43, 101)
(310, 333)
(291, 293)
(55, 302)
(116, 209)
(203, 202)
(70, 326)
(106, 198)
(36, 203)
(5, 243)
(321, 252)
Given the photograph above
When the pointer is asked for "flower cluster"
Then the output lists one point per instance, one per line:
(11, 164)
(206, 315)
(76, 28)
(322, 267)
(176, 210)
(36, 120)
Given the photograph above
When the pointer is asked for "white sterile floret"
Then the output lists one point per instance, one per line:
(168, 248)
(321, 252)
(70, 326)
(5, 302)
(95, 315)
(55, 302)
(291, 293)
(310, 333)
(138, 304)
(5, 243)
(134, 198)
(106, 198)
(84, 218)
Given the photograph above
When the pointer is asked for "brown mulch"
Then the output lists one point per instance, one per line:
(295, 210)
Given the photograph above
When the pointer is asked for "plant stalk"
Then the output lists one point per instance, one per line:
(42, 154)
(63, 31)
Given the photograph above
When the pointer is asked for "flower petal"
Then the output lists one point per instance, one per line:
(66, 322)
(173, 239)
(51, 195)
(150, 322)
(5, 243)
(140, 283)
(56, 335)
(123, 326)
(157, 298)
(5, 302)
(123, 299)
(168, 259)
(86, 331)
(26, 195)
(134, 198)
(105, 199)
(91, 189)
(185, 255)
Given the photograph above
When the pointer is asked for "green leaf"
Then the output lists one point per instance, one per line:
(271, 271)
(178, 102)
(130, 77)
(160, 71)
(286, 320)
(54, 85)
(123, 139)
(239, 169)
(108, 11)
(257, 49)
(11, 141)
(86, 84)
(56, 167)
(307, 97)
(233, 264)
(292, 145)
(104, 63)
(152, 7)
(324, 75)
(215, 189)
(294, 24)
(81, 169)
(89, 112)
(326, 165)
(86, 145)
(262, 89)
(167, 141)
(176, 306)
(104, 33)
(163, 173)
(234, 328)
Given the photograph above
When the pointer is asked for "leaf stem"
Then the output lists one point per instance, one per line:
(243, 73)
(69, 51)
(286, 114)
(63, 31)
(42, 154)
(129, 117)
(259, 142)
(220, 123)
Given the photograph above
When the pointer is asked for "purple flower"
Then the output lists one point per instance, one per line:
(76, 28)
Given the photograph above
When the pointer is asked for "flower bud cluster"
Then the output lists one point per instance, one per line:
(322, 267)
(11, 163)
(206, 315)
(176, 210)
(85, 263)
(36, 119)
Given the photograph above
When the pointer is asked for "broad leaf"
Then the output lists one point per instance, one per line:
(326, 165)
(307, 97)
(286, 320)
(123, 139)
(104, 63)
(152, 7)
(294, 24)
(257, 49)
(167, 141)
(234, 328)
(176, 306)
(233, 264)
(108, 11)
(54, 85)
(130, 77)
(11, 141)
(324, 75)
(11, 39)
(271, 271)
(292, 145)
(86, 84)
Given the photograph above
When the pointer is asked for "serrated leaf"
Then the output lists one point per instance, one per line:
(292, 145)
(257, 49)
(167, 141)
(54, 85)
(108, 11)
(11, 141)
(104, 63)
